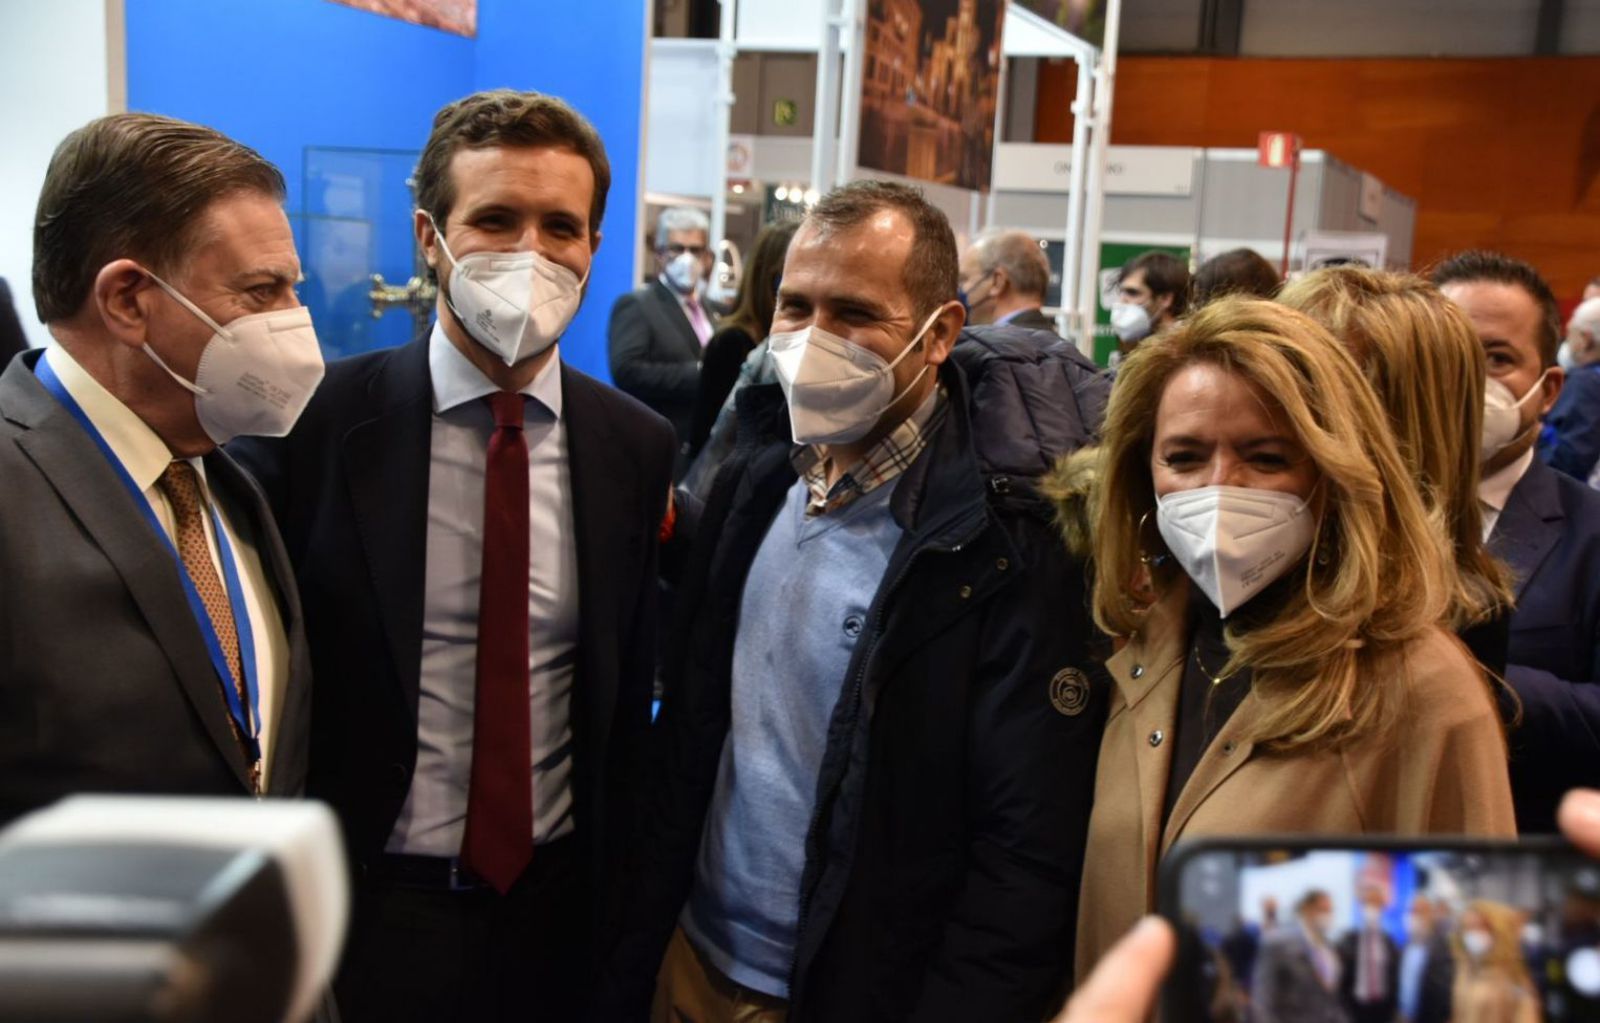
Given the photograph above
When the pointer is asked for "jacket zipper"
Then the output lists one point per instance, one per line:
(855, 696)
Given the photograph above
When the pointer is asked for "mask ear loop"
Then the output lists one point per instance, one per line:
(190, 386)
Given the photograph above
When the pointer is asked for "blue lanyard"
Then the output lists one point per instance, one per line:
(249, 726)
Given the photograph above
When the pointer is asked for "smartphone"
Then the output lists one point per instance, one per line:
(1370, 930)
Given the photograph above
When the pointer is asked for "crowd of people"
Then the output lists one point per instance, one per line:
(860, 656)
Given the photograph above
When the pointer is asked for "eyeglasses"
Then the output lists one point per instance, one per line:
(677, 250)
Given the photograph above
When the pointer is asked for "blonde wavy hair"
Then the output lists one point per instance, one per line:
(1422, 355)
(1505, 953)
(1378, 574)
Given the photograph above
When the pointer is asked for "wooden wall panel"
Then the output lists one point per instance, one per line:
(1498, 153)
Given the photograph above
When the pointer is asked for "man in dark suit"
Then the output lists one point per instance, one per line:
(1298, 971)
(474, 525)
(1546, 526)
(1427, 965)
(659, 331)
(150, 634)
(1004, 275)
(1370, 985)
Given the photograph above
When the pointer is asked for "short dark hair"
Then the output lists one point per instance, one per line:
(1235, 272)
(932, 271)
(1481, 265)
(506, 117)
(131, 186)
(1164, 274)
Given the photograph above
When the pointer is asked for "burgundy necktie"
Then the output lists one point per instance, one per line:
(499, 838)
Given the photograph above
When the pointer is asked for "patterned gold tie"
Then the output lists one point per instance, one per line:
(183, 491)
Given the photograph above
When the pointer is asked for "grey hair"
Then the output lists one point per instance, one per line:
(1586, 318)
(680, 218)
(1019, 255)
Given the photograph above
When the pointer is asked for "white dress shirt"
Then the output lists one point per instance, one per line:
(434, 817)
(1494, 491)
(145, 456)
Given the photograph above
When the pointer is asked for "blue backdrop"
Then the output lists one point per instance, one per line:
(288, 76)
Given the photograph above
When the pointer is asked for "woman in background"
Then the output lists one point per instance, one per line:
(741, 330)
(1421, 354)
(1492, 982)
(1261, 547)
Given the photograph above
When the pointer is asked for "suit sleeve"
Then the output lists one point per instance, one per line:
(634, 367)
(1007, 947)
(1576, 427)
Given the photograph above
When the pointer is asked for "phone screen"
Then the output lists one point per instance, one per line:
(1456, 933)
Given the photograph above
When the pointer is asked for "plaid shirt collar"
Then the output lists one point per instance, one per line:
(883, 463)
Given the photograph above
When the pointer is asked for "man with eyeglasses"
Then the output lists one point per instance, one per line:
(659, 331)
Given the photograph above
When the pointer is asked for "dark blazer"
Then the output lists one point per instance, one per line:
(1348, 951)
(350, 489)
(1033, 319)
(1571, 436)
(1549, 533)
(655, 355)
(105, 682)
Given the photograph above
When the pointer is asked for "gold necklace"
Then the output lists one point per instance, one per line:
(1215, 680)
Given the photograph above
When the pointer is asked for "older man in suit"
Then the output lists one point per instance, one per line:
(1545, 525)
(150, 634)
(1004, 276)
(658, 332)
(474, 524)
(1298, 971)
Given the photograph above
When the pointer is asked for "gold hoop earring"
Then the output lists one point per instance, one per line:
(1145, 557)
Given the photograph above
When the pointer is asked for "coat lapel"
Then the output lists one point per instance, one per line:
(90, 488)
(1529, 527)
(672, 314)
(386, 462)
(602, 504)
(1147, 673)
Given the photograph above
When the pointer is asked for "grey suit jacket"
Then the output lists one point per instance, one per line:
(105, 682)
(1286, 988)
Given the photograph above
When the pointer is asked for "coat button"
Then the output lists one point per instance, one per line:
(1228, 748)
(1138, 671)
(1002, 564)
(965, 591)
(1156, 737)
(852, 626)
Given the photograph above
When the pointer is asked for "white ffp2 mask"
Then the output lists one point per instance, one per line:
(516, 304)
(1130, 321)
(836, 389)
(1234, 541)
(683, 272)
(1502, 415)
(255, 375)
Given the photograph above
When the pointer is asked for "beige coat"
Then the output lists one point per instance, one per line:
(1442, 772)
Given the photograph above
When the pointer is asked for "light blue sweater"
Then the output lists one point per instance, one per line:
(804, 608)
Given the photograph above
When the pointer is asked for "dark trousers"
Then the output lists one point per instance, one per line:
(436, 956)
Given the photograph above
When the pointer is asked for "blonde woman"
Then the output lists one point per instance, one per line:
(1261, 548)
(1492, 983)
(1421, 354)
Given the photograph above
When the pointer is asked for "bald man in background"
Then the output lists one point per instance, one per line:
(1004, 275)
